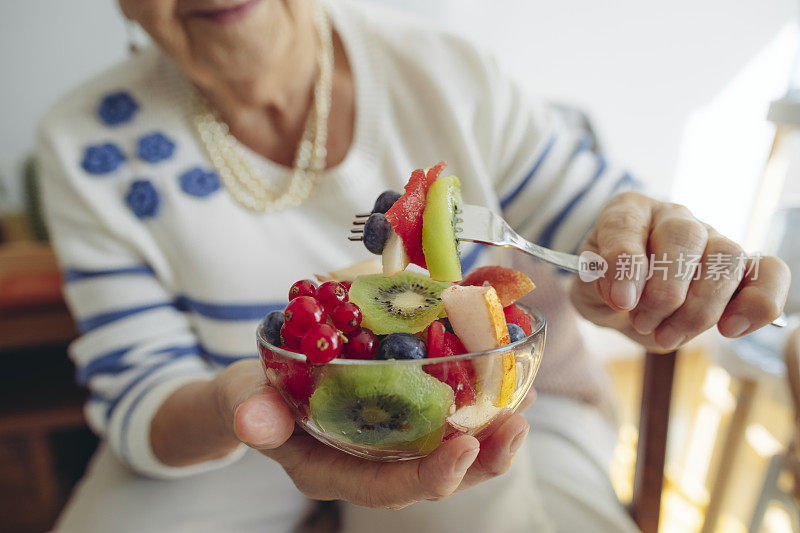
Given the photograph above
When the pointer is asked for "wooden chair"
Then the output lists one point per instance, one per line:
(648, 478)
(789, 459)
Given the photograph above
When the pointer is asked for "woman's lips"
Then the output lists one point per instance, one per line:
(227, 14)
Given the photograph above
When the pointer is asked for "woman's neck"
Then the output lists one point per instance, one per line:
(267, 113)
(267, 110)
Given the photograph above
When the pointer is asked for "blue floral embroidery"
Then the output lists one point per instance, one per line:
(117, 108)
(102, 158)
(143, 199)
(155, 147)
(199, 182)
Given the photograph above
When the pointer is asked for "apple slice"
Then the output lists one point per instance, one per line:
(510, 284)
(471, 418)
(362, 268)
(477, 318)
(394, 257)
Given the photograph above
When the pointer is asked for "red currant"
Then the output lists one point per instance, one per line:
(304, 287)
(330, 294)
(361, 344)
(302, 313)
(346, 316)
(347, 285)
(291, 340)
(321, 344)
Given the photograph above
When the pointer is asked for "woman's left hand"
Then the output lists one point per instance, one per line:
(650, 291)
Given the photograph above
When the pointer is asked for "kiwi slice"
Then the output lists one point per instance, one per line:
(439, 242)
(403, 303)
(380, 405)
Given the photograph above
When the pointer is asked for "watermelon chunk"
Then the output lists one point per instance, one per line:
(515, 315)
(405, 216)
(459, 375)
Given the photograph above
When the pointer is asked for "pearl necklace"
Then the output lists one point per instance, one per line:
(225, 152)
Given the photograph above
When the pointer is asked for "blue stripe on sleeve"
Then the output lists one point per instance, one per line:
(626, 180)
(546, 237)
(175, 353)
(74, 274)
(88, 324)
(109, 362)
(225, 359)
(124, 451)
(227, 311)
(505, 202)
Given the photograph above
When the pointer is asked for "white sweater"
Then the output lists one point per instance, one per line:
(167, 276)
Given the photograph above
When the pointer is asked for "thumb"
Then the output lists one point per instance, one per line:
(263, 421)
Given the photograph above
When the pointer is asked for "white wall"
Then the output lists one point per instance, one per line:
(643, 70)
(652, 76)
(47, 47)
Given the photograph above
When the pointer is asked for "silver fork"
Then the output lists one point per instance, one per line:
(475, 223)
(479, 224)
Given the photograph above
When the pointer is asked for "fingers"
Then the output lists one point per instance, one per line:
(661, 302)
(621, 233)
(675, 234)
(706, 297)
(254, 411)
(263, 420)
(497, 451)
(323, 473)
(760, 300)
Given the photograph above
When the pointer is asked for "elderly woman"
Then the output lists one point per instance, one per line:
(189, 186)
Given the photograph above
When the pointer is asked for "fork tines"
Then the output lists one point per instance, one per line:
(358, 226)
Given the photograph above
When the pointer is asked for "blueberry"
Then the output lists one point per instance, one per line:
(385, 201)
(401, 346)
(272, 328)
(515, 332)
(376, 232)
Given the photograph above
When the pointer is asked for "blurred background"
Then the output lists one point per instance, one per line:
(690, 95)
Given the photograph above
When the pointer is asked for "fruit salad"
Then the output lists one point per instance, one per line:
(386, 363)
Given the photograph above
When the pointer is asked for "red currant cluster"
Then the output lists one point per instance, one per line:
(321, 323)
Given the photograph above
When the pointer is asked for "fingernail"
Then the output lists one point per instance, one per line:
(670, 337)
(465, 461)
(623, 293)
(735, 325)
(645, 323)
(519, 440)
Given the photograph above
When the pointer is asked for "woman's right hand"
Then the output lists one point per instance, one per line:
(258, 416)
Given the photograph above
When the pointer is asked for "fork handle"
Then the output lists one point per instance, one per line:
(563, 260)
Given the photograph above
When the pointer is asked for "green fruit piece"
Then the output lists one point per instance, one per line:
(439, 242)
(380, 405)
(403, 303)
(427, 443)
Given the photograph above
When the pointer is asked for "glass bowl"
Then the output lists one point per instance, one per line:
(404, 409)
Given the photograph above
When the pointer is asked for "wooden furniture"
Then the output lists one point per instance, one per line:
(648, 478)
(32, 310)
(789, 460)
(733, 437)
(34, 405)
